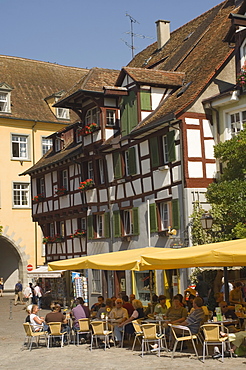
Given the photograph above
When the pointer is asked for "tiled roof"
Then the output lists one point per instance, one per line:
(152, 77)
(196, 49)
(32, 81)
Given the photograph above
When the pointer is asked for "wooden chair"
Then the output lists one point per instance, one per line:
(212, 337)
(55, 332)
(98, 331)
(31, 335)
(84, 328)
(150, 336)
(189, 336)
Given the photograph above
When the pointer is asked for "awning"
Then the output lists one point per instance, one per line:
(42, 272)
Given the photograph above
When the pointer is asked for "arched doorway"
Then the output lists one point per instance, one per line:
(11, 264)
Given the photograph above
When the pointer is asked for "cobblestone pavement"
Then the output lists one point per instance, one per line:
(13, 357)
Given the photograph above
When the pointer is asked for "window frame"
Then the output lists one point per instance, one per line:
(99, 225)
(4, 102)
(90, 170)
(65, 178)
(114, 118)
(96, 281)
(43, 145)
(165, 223)
(27, 146)
(62, 113)
(27, 191)
(92, 116)
(40, 184)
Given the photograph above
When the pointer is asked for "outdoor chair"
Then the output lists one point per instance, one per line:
(212, 337)
(84, 328)
(31, 335)
(98, 331)
(177, 329)
(150, 336)
(55, 332)
(138, 332)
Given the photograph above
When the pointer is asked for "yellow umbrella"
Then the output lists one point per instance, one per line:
(228, 253)
(122, 260)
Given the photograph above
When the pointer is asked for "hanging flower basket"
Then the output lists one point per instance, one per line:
(38, 198)
(78, 234)
(85, 185)
(61, 191)
(53, 239)
(241, 78)
(88, 129)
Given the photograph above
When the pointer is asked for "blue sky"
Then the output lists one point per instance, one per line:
(87, 33)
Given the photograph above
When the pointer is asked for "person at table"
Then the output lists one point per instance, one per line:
(176, 313)
(229, 314)
(57, 316)
(127, 305)
(161, 307)
(105, 310)
(202, 289)
(132, 297)
(151, 306)
(119, 313)
(38, 323)
(137, 314)
(189, 296)
(196, 318)
(235, 296)
(79, 312)
(96, 306)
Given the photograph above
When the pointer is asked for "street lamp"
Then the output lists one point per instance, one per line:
(206, 221)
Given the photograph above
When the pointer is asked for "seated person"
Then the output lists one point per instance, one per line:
(119, 314)
(79, 312)
(176, 313)
(138, 313)
(229, 314)
(151, 306)
(127, 305)
(189, 296)
(236, 296)
(235, 338)
(161, 308)
(196, 318)
(37, 322)
(96, 306)
(105, 310)
(57, 316)
(28, 310)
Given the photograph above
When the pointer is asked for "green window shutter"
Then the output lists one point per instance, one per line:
(175, 214)
(90, 227)
(133, 111)
(135, 221)
(171, 146)
(154, 151)
(124, 115)
(145, 100)
(132, 161)
(117, 224)
(107, 225)
(117, 165)
(153, 218)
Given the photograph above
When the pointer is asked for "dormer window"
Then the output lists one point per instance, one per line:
(5, 91)
(62, 113)
(111, 117)
(57, 144)
(92, 116)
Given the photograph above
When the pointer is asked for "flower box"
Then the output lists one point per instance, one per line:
(38, 198)
(61, 191)
(88, 129)
(53, 239)
(85, 185)
(78, 234)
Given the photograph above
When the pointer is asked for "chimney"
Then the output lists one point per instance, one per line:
(163, 32)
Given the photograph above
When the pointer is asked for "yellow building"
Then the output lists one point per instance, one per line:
(28, 89)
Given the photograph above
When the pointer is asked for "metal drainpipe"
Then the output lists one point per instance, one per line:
(35, 223)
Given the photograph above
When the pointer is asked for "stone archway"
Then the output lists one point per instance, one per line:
(13, 263)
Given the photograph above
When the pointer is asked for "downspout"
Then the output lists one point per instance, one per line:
(35, 223)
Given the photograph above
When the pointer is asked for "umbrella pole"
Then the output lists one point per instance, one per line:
(226, 286)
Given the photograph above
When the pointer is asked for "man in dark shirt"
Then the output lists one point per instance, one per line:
(203, 289)
(127, 305)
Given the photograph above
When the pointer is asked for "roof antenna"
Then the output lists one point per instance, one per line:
(131, 46)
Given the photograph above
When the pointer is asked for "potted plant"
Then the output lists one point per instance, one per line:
(88, 129)
(38, 198)
(61, 191)
(78, 234)
(87, 184)
(53, 239)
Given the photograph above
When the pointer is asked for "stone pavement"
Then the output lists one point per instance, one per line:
(12, 357)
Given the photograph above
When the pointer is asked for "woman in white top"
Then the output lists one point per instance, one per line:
(36, 321)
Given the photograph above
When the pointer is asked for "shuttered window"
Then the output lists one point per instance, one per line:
(117, 224)
(145, 99)
(135, 221)
(128, 109)
(153, 218)
(175, 214)
(117, 165)
(171, 146)
(130, 161)
(90, 230)
(154, 151)
(107, 225)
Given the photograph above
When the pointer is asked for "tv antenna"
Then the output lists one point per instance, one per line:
(132, 34)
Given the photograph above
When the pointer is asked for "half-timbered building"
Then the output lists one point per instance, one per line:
(127, 173)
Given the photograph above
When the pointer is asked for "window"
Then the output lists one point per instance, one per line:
(92, 116)
(165, 149)
(21, 195)
(130, 161)
(64, 179)
(99, 226)
(165, 215)
(82, 223)
(169, 151)
(40, 186)
(236, 121)
(101, 171)
(96, 281)
(127, 222)
(78, 135)
(5, 94)
(57, 144)
(61, 228)
(111, 117)
(20, 147)
(117, 165)
(90, 170)
(46, 145)
(62, 113)
(51, 230)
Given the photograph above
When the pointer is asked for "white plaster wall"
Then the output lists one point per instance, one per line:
(71, 171)
(45, 206)
(147, 184)
(195, 169)
(56, 204)
(175, 192)
(207, 128)
(177, 176)
(74, 225)
(129, 191)
(97, 135)
(137, 186)
(48, 184)
(96, 247)
(156, 95)
(64, 201)
(76, 183)
(145, 166)
(127, 80)
(163, 194)
(77, 198)
(91, 196)
(194, 143)
(161, 178)
(177, 150)
(109, 133)
(120, 191)
(112, 192)
(209, 149)
(192, 121)
(110, 167)
(210, 170)
(87, 139)
(68, 227)
(144, 114)
(103, 195)
(144, 148)
(109, 102)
